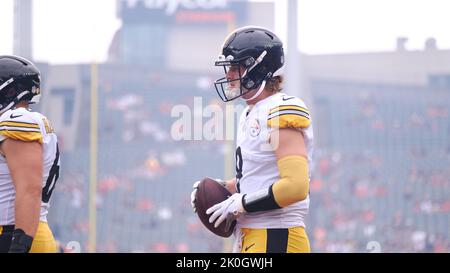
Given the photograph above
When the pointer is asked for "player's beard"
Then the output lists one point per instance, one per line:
(232, 91)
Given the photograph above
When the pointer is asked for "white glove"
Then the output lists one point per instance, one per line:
(230, 209)
(194, 191)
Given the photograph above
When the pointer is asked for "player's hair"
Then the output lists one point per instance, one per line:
(275, 84)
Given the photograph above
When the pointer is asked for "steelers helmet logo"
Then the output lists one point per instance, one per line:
(255, 128)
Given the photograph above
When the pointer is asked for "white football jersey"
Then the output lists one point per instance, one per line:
(21, 124)
(256, 163)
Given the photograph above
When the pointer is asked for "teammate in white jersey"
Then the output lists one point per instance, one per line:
(274, 148)
(29, 161)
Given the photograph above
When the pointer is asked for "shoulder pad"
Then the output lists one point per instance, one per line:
(288, 112)
(19, 124)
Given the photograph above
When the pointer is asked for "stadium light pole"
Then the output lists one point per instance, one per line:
(293, 82)
(297, 83)
(92, 240)
(229, 155)
(229, 144)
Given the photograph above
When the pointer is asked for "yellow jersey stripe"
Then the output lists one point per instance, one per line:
(289, 121)
(288, 112)
(19, 124)
(288, 107)
(22, 135)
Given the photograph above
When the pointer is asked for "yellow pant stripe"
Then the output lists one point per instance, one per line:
(258, 240)
(43, 241)
(255, 240)
(298, 241)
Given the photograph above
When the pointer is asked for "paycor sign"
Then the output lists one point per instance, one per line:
(171, 6)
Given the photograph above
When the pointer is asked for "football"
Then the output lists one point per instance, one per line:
(208, 194)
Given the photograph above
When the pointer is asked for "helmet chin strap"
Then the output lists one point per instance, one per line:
(261, 88)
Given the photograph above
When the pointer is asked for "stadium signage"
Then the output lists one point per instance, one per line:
(171, 6)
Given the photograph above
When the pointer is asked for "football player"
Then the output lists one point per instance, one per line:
(274, 148)
(29, 161)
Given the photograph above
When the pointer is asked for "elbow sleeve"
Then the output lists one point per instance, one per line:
(293, 185)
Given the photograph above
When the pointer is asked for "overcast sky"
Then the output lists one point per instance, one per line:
(70, 31)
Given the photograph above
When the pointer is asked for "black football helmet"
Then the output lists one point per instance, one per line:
(258, 52)
(19, 81)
